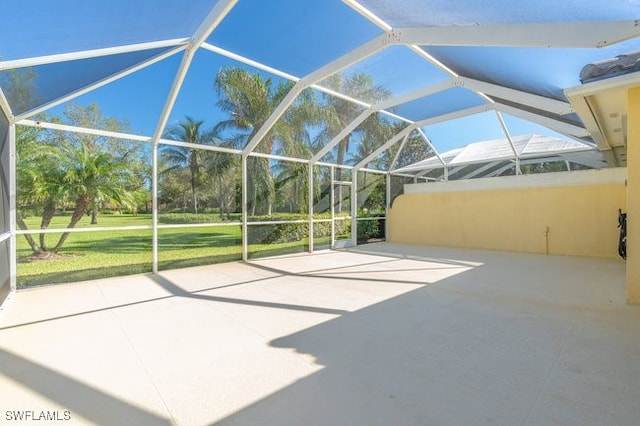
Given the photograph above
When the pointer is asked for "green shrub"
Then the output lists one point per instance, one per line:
(268, 234)
(288, 232)
(188, 218)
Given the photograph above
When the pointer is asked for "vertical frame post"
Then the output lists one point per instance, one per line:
(154, 207)
(333, 208)
(354, 207)
(311, 182)
(13, 262)
(245, 233)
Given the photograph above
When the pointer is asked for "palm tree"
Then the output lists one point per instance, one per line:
(39, 182)
(49, 175)
(91, 175)
(339, 113)
(222, 168)
(190, 131)
(249, 100)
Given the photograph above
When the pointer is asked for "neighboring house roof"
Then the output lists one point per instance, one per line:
(527, 147)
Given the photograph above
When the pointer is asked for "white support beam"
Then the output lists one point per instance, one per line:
(585, 111)
(368, 14)
(452, 171)
(424, 172)
(435, 151)
(453, 115)
(215, 16)
(250, 62)
(556, 34)
(87, 54)
(421, 52)
(480, 88)
(501, 170)
(382, 105)
(356, 55)
(200, 146)
(13, 207)
(83, 130)
(482, 169)
(354, 208)
(406, 131)
(154, 208)
(245, 213)
(558, 126)
(274, 71)
(99, 84)
(273, 118)
(397, 156)
(536, 101)
(376, 20)
(332, 201)
(343, 134)
(277, 157)
(310, 205)
(416, 94)
(173, 94)
(211, 21)
(505, 130)
(6, 108)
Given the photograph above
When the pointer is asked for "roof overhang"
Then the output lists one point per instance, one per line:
(602, 107)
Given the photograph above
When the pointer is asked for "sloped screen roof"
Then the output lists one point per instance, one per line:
(426, 62)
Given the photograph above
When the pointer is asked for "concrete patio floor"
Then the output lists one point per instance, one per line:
(380, 335)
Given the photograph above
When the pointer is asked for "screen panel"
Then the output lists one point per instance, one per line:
(5, 246)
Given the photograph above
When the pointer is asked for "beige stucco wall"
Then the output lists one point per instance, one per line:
(515, 213)
(633, 164)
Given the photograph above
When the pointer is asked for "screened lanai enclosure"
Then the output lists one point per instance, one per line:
(142, 136)
(376, 212)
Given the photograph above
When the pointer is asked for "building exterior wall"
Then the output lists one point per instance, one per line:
(561, 213)
(633, 195)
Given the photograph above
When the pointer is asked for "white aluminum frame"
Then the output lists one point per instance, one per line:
(13, 261)
(562, 34)
(510, 141)
(87, 54)
(578, 34)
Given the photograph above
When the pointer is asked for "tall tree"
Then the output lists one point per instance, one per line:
(190, 131)
(91, 175)
(249, 100)
(339, 113)
(132, 152)
(56, 169)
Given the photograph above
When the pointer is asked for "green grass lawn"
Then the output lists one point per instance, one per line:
(101, 254)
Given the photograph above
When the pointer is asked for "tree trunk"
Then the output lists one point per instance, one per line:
(32, 243)
(194, 197)
(82, 206)
(48, 211)
(94, 215)
(221, 199)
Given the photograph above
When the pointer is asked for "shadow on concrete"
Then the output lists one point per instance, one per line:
(478, 348)
(176, 290)
(81, 399)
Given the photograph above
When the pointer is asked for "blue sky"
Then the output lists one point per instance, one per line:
(293, 36)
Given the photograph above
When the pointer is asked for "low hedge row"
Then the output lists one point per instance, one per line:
(283, 232)
(288, 232)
